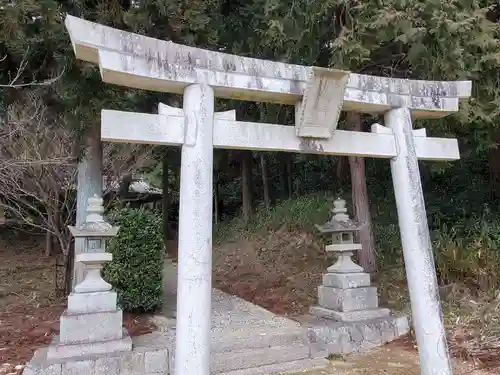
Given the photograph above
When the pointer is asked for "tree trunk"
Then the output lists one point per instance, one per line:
(265, 181)
(367, 258)
(285, 160)
(68, 259)
(246, 184)
(124, 188)
(165, 204)
(89, 184)
(54, 217)
(49, 244)
(339, 167)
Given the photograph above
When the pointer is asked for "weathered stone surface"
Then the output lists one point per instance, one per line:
(330, 337)
(135, 60)
(283, 368)
(130, 127)
(91, 302)
(346, 280)
(50, 369)
(241, 359)
(349, 316)
(317, 116)
(155, 362)
(58, 350)
(402, 325)
(79, 368)
(364, 298)
(133, 363)
(91, 327)
(140, 361)
(417, 247)
(107, 365)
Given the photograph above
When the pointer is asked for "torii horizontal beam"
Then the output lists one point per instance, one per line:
(138, 61)
(132, 127)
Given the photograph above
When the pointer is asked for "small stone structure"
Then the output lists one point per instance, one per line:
(92, 324)
(346, 294)
(347, 317)
(92, 339)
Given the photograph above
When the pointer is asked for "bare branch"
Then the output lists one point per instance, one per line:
(38, 169)
(20, 71)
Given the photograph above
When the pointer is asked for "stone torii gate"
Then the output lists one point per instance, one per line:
(319, 94)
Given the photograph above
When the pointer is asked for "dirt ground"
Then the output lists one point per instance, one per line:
(279, 271)
(392, 359)
(29, 306)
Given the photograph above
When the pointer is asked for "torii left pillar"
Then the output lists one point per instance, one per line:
(194, 277)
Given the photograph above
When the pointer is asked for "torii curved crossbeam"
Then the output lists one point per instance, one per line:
(139, 61)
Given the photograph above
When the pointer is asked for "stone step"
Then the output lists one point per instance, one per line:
(257, 337)
(235, 337)
(283, 367)
(250, 358)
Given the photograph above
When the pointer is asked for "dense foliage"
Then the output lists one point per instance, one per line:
(136, 269)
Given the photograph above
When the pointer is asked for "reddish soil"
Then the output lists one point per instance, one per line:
(279, 271)
(29, 307)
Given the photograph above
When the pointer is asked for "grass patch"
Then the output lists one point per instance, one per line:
(294, 214)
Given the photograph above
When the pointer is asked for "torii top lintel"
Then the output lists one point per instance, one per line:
(138, 61)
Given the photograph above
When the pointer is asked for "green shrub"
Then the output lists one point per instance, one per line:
(138, 250)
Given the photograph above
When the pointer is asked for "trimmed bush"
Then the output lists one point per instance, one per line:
(138, 250)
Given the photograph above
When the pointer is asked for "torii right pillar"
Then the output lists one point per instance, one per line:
(417, 248)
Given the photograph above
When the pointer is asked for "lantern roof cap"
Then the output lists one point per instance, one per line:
(340, 221)
(95, 225)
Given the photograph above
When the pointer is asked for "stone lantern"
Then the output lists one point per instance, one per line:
(342, 230)
(345, 293)
(95, 231)
(92, 323)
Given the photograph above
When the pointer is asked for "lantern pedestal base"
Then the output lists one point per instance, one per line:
(91, 327)
(79, 303)
(60, 351)
(346, 280)
(352, 299)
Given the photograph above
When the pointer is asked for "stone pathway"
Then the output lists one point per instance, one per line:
(244, 336)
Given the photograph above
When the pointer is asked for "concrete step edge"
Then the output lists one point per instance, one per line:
(248, 358)
(250, 339)
(283, 367)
